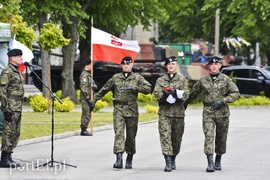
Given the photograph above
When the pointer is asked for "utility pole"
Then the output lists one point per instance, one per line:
(217, 32)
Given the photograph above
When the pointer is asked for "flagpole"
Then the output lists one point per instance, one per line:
(92, 75)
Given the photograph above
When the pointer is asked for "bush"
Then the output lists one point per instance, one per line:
(66, 106)
(255, 100)
(145, 97)
(108, 97)
(151, 109)
(99, 105)
(58, 94)
(39, 103)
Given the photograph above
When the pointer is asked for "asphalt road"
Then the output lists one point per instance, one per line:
(247, 156)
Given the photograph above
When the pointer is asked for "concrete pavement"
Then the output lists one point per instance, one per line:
(247, 155)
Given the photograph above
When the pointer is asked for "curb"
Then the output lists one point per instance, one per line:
(68, 134)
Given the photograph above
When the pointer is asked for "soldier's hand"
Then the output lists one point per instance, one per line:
(94, 88)
(91, 104)
(217, 105)
(8, 115)
(167, 91)
(173, 93)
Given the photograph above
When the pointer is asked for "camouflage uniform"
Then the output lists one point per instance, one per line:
(86, 83)
(222, 88)
(125, 112)
(171, 116)
(12, 93)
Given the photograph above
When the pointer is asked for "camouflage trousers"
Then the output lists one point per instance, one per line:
(121, 125)
(215, 132)
(171, 130)
(86, 114)
(11, 133)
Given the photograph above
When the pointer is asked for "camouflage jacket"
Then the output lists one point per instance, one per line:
(86, 83)
(178, 82)
(222, 88)
(125, 100)
(11, 89)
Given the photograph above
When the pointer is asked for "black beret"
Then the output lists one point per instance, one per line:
(213, 59)
(14, 52)
(86, 62)
(126, 60)
(170, 59)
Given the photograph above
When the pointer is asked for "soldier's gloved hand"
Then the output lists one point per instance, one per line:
(126, 88)
(7, 115)
(173, 93)
(217, 105)
(91, 104)
(167, 91)
(94, 88)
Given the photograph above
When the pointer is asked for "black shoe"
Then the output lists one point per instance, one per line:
(173, 163)
(7, 162)
(168, 160)
(218, 162)
(85, 133)
(129, 161)
(119, 161)
(210, 167)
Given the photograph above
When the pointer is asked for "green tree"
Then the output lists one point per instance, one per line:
(8, 8)
(74, 18)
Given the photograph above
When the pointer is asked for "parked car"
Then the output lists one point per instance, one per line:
(251, 80)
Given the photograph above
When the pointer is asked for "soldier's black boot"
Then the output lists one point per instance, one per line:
(129, 161)
(173, 163)
(218, 162)
(84, 132)
(11, 160)
(210, 167)
(5, 160)
(168, 160)
(119, 161)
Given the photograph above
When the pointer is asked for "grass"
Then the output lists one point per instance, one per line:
(36, 124)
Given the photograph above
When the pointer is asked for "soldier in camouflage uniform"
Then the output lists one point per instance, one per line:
(12, 93)
(125, 87)
(171, 91)
(218, 90)
(87, 85)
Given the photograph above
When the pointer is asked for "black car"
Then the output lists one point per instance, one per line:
(251, 80)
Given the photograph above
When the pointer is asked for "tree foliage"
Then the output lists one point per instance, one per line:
(51, 37)
(8, 8)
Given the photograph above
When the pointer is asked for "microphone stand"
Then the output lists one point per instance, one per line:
(53, 96)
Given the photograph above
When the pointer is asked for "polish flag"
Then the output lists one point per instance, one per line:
(107, 47)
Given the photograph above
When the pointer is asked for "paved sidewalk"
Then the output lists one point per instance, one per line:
(247, 157)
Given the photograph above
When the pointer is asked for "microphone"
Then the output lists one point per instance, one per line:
(31, 65)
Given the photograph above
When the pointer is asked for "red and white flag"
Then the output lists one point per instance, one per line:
(107, 47)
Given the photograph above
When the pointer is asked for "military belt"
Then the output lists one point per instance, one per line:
(207, 104)
(123, 102)
(17, 98)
